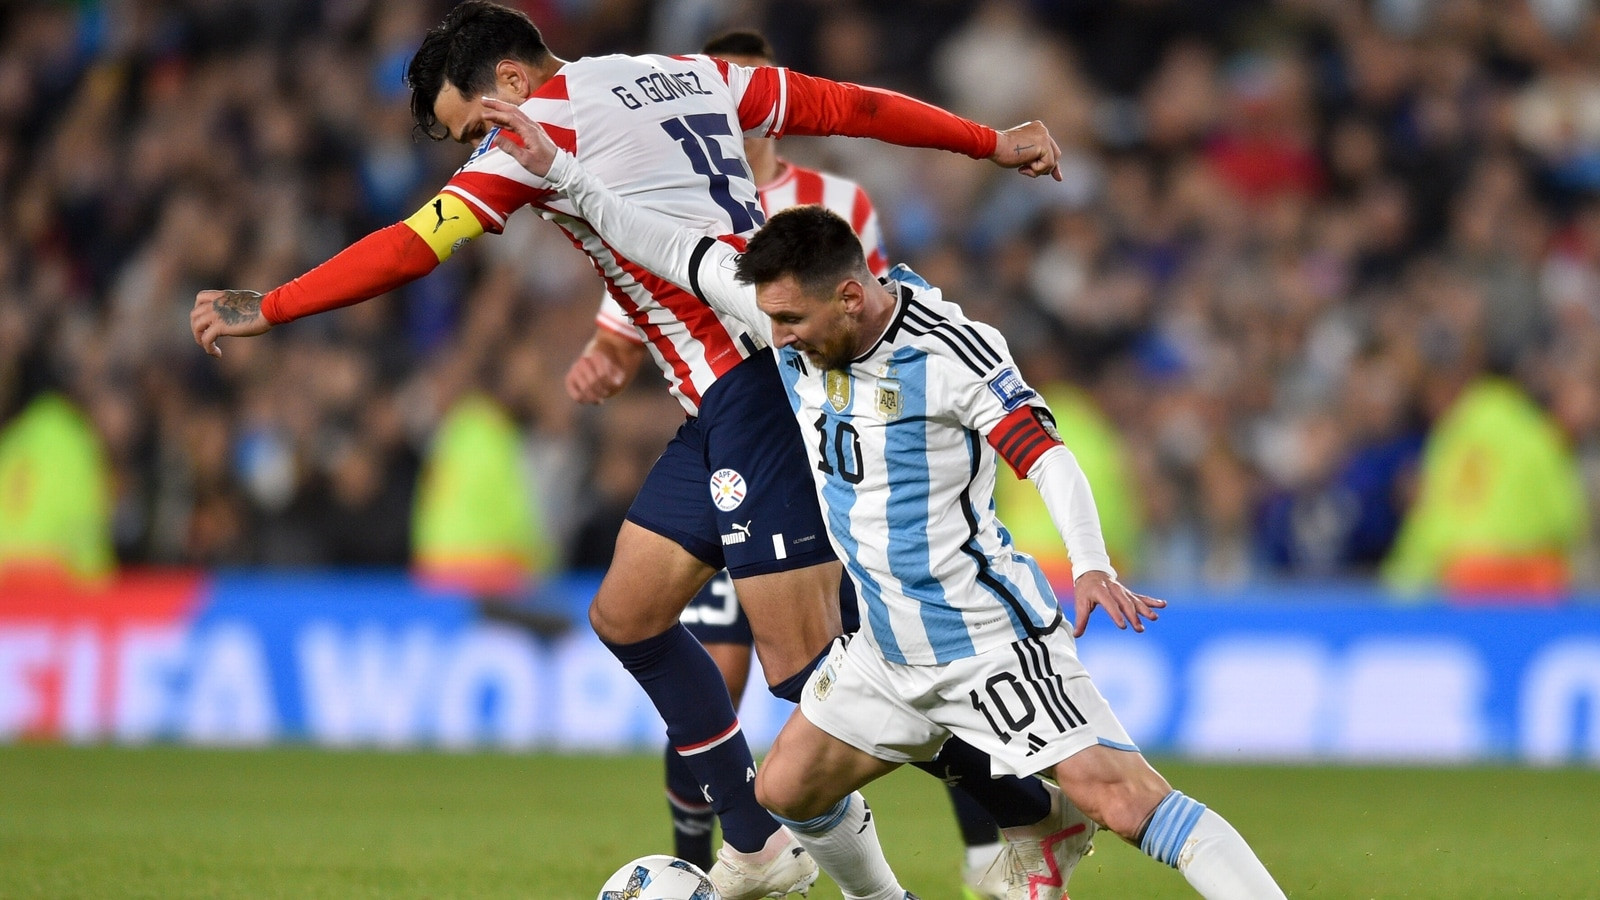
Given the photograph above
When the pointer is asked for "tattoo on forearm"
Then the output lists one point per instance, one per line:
(238, 307)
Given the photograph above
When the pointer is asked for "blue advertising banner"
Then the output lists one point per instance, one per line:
(1331, 673)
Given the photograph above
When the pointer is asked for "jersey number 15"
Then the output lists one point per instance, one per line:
(697, 135)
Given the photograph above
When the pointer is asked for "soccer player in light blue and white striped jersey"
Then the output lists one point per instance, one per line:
(906, 405)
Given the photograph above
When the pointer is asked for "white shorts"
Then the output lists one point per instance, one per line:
(1028, 704)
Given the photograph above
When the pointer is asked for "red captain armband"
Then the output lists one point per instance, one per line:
(1023, 436)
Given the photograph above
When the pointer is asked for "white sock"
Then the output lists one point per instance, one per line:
(844, 842)
(1218, 863)
(1207, 850)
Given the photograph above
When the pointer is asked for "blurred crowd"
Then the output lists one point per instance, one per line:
(1300, 247)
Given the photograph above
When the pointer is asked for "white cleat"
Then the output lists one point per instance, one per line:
(984, 880)
(779, 869)
(1038, 859)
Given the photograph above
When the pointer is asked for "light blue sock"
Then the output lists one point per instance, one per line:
(1212, 856)
(1169, 827)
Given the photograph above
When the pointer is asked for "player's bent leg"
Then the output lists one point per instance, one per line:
(793, 615)
(691, 815)
(635, 614)
(810, 780)
(650, 580)
(1115, 788)
(1129, 797)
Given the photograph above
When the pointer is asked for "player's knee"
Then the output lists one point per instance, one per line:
(616, 619)
(769, 793)
(611, 622)
(781, 793)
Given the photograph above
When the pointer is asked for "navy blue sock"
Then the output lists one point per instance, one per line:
(692, 817)
(1012, 801)
(687, 690)
(789, 689)
(977, 826)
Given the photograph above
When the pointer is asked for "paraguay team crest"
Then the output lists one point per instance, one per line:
(837, 383)
(727, 489)
(889, 403)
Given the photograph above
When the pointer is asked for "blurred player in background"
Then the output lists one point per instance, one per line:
(667, 131)
(912, 404)
(714, 617)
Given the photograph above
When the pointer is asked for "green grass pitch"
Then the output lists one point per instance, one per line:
(166, 822)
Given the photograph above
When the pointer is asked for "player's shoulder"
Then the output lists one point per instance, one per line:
(939, 328)
(621, 64)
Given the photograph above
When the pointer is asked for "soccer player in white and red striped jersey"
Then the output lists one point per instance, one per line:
(665, 131)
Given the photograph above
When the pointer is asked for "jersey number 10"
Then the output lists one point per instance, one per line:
(846, 456)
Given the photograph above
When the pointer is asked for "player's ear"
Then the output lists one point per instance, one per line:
(513, 76)
(853, 295)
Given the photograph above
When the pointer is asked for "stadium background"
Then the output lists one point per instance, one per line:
(1311, 261)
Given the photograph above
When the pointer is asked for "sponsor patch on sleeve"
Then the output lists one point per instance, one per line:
(485, 145)
(1011, 389)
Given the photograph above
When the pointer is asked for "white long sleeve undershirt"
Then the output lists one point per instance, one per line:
(1067, 496)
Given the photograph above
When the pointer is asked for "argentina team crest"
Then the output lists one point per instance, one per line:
(727, 489)
(889, 403)
(837, 383)
(823, 686)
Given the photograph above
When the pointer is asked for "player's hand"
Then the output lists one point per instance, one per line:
(533, 149)
(1123, 606)
(225, 314)
(1029, 149)
(594, 377)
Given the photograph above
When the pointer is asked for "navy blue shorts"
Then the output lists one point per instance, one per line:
(714, 616)
(734, 486)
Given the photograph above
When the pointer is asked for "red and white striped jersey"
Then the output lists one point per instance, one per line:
(667, 131)
(794, 186)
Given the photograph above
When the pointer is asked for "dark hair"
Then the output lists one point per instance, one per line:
(463, 51)
(811, 243)
(740, 43)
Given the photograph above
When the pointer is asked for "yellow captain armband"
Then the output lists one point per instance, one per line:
(445, 223)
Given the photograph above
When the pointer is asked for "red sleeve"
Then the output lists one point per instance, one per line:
(1021, 438)
(817, 106)
(379, 262)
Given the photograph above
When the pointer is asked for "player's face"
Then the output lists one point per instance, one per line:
(819, 327)
(463, 115)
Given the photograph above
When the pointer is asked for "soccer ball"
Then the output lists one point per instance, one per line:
(658, 878)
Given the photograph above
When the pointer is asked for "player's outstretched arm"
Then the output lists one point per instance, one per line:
(376, 264)
(819, 106)
(689, 259)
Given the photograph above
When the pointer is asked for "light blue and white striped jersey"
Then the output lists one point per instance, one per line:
(906, 476)
(897, 444)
